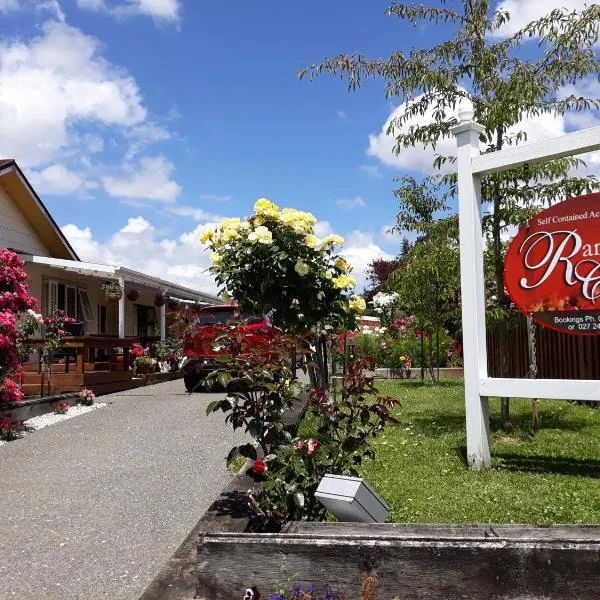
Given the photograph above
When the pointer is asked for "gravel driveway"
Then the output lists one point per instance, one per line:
(94, 506)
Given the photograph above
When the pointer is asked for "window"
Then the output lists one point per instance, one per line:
(86, 307)
(50, 302)
(71, 302)
(101, 318)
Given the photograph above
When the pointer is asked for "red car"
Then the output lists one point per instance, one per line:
(199, 351)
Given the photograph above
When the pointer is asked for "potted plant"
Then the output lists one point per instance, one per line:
(113, 290)
(133, 294)
(173, 304)
(143, 365)
(159, 299)
(164, 351)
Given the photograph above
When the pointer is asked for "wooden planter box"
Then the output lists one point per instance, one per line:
(440, 562)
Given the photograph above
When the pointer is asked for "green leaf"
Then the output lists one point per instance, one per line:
(233, 454)
(248, 450)
(224, 378)
(213, 406)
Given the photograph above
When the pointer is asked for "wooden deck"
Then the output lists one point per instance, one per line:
(100, 363)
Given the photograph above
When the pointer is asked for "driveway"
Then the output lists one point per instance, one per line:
(94, 506)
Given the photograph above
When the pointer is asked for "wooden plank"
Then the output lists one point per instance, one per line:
(571, 144)
(434, 564)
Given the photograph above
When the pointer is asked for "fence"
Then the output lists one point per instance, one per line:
(559, 355)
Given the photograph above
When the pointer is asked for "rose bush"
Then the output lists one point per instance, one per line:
(259, 388)
(346, 424)
(14, 302)
(273, 260)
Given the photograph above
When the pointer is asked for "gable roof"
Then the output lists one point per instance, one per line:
(24, 196)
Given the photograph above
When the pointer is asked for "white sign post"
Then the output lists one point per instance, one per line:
(471, 165)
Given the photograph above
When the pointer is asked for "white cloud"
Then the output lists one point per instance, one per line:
(372, 170)
(192, 212)
(8, 5)
(360, 250)
(421, 159)
(138, 245)
(356, 202)
(381, 145)
(143, 135)
(159, 10)
(51, 6)
(323, 228)
(58, 180)
(150, 180)
(215, 197)
(137, 225)
(184, 260)
(79, 89)
(522, 12)
(341, 115)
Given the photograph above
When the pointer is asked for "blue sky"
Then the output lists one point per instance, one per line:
(141, 122)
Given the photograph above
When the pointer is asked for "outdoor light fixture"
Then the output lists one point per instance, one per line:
(351, 499)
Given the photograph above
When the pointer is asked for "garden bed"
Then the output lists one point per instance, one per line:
(420, 471)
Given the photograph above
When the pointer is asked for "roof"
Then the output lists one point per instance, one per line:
(113, 272)
(34, 210)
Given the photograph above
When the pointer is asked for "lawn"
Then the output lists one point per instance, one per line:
(421, 473)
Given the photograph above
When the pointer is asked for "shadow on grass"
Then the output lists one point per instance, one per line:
(582, 467)
(521, 421)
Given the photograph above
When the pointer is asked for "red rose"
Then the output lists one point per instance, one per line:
(259, 466)
(312, 446)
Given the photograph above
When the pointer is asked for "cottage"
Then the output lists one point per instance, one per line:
(97, 353)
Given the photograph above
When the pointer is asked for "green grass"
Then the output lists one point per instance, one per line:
(420, 466)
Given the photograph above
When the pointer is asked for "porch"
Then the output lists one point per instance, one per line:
(97, 354)
(100, 363)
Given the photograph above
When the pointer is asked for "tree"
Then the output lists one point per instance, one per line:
(505, 87)
(377, 273)
(429, 283)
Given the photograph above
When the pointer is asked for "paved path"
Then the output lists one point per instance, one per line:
(94, 506)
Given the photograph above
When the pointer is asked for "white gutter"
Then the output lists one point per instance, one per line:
(117, 273)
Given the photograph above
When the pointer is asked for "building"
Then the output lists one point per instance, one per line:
(58, 278)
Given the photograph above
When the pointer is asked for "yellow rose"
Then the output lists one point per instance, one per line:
(344, 282)
(261, 235)
(357, 304)
(266, 208)
(216, 258)
(341, 264)
(311, 241)
(207, 236)
(333, 240)
(232, 223)
(301, 268)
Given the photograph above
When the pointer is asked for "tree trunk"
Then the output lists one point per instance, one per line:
(437, 352)
(422, 358)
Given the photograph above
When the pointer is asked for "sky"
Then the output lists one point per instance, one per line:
(141, 123)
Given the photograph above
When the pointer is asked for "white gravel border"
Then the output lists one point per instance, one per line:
(50, 418)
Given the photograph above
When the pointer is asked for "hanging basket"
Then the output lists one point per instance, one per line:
(159, 300)
(173, 304)
(133, 294)
(113, 291)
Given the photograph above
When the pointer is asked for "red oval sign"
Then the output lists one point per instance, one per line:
(552, 267)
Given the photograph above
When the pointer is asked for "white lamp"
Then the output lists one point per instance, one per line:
(351, 499)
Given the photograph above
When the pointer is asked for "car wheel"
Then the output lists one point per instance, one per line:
(192, 383)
